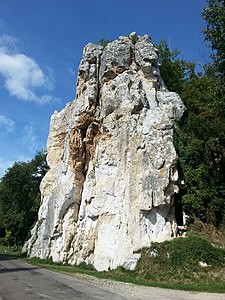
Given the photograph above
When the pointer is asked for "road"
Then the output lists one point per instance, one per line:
(21, 281)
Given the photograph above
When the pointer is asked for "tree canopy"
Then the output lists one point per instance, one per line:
(214, 15)
(200, 135)
(20, 198)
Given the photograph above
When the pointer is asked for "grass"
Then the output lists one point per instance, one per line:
(176, 264)
(11, 251)
(173, 264)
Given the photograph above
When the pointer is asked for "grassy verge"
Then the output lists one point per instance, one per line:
(11, 251)
(190, 263)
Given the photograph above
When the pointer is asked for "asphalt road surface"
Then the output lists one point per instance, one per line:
(21, 281)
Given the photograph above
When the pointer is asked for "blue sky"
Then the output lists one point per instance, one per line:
(41, 44)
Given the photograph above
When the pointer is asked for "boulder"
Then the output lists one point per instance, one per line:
(113, 167)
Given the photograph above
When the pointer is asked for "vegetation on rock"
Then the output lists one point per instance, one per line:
(104, 42)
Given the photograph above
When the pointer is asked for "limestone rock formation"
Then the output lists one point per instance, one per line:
(113, 166)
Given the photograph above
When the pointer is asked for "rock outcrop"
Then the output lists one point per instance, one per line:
(113, 166)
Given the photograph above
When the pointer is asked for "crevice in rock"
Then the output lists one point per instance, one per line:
(156, 99)
(82, 144)
(178, 209)
(169, 218)
(82, 148)
(137, 108)
(97, 102)
(132, 56)
(129, 85)
(77, 161)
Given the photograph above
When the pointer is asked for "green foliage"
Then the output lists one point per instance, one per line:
(214, 15)
(200, 142)
(200, 136)
(8, 239)
(134, 39)
(175, 72)
(180, 260)
(84, 266)
(104, 42)
(20, 197)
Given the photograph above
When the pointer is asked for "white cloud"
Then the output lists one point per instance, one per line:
(22, 75)
(30, 139)
(8, 43)
(7, 123)
(72, 72)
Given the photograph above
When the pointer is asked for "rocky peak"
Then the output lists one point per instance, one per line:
(113, 167)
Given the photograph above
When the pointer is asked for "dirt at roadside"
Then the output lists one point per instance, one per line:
(137, 292)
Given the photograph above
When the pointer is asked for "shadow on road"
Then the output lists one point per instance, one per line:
(6, 257)
(5, 270)
(13, 265)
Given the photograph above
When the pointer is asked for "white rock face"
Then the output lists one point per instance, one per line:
(113, 167)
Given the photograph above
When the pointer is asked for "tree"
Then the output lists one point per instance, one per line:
(200, 143)
(214, 15)
(199, 136)
(20, 196)
(174, 71)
